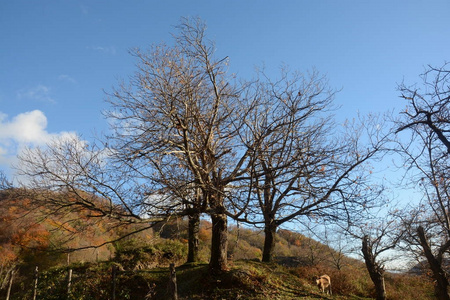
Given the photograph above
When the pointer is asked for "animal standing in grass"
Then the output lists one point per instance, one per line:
(324, 283)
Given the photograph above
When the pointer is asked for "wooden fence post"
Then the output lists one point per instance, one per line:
(69, 282)
(10, 284)
(173, 282)
(36, 273)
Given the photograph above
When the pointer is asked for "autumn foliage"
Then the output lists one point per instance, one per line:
(31, 235)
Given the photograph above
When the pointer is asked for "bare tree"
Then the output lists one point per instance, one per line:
(4, 182)
(429, 108)
(425, 150)
(378, 240)
(70, 175)
(338, 242)
(302, 166)
(174, 149)
(376, 270)
(378, 236)
(180, 110)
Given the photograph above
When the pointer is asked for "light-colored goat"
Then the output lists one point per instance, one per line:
(324, 283)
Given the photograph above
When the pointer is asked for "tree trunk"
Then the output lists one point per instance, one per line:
(270, 230)
(441, 286)
(193, 239)
(376, 271)
(219, 243)
(380, 287)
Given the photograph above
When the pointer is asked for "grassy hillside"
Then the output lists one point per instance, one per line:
(244, 280)
(141, 263)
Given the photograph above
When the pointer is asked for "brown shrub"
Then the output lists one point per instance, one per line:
(409, 287)
(354, 281)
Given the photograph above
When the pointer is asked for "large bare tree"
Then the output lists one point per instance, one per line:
(304, 166)
(424, 131)
(181, 110)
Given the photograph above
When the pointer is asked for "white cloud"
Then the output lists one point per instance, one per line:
(27, 129)
(39, 93)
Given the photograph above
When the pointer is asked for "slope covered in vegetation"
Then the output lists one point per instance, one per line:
(140, 263)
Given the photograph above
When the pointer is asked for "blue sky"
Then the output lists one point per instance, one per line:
(58, 57)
